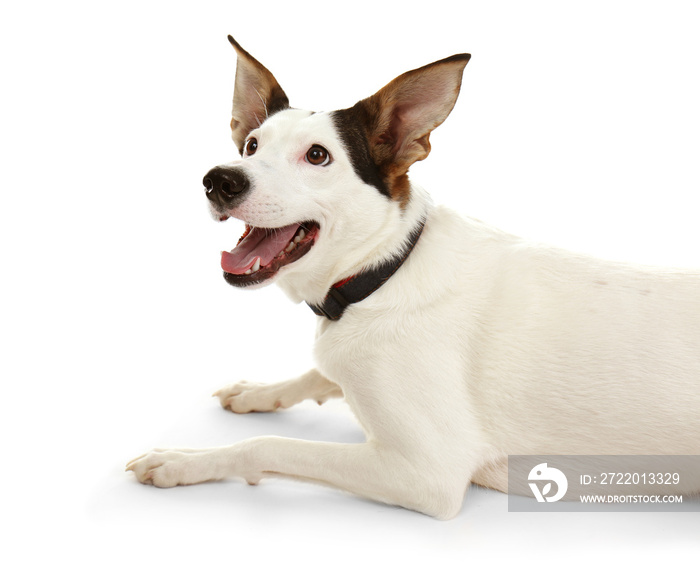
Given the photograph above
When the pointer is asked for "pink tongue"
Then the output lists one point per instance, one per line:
(260, 242)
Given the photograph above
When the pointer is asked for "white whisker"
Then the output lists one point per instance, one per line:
(262, 100)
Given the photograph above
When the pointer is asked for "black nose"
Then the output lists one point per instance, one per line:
(225, 186)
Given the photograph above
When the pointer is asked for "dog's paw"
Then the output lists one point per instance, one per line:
(244, 397)
(169, 468)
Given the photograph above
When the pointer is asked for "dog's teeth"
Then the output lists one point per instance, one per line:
(302, 234)
(248, 272)
(256, 266)
(290, 247)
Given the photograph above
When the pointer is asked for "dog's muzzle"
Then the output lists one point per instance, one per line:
(226, 187)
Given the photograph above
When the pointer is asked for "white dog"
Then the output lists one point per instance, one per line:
(454, 343)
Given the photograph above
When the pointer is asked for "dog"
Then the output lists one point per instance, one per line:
(455, 344)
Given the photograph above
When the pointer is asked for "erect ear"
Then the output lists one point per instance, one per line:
(256, 95)
(402, 114)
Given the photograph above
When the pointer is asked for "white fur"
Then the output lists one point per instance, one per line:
(480, 346)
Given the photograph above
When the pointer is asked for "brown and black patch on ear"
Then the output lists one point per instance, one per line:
(374, 167)
(257, 95)
(351, 125)
(389, 131)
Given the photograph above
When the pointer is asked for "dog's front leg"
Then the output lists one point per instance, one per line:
(244, 397)
(367, 469)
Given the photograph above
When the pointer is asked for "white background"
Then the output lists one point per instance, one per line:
(577, 125)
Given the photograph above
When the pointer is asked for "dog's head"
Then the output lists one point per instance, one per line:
(323, 194)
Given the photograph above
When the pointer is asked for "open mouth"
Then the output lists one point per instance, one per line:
(262, 252)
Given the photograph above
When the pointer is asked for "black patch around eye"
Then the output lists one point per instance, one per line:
(349, 124)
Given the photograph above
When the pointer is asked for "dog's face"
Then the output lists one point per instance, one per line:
(319, 192)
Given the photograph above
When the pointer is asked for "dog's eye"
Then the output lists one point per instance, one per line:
(251, 145)
(318, 156)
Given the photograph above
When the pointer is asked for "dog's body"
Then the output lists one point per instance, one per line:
(479, 345)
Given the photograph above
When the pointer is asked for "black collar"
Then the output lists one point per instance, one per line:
(360, 286)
